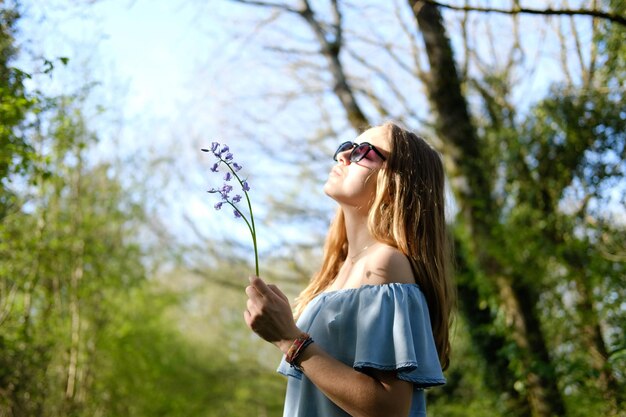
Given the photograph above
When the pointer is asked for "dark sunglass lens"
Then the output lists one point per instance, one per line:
(346, 146)
(359, 152)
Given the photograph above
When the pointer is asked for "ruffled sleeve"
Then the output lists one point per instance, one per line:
(393, 332)
(383, 327)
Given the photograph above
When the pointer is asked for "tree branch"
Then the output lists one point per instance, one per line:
(266, 4)
(330, 42)
(337, 23)
(381, 74)
(546, 12)
(331, 50)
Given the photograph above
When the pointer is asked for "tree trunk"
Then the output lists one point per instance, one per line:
(594, 344)
(471, 182)
(76, 276)
(497, 378)
(591, 333)
(520, 300)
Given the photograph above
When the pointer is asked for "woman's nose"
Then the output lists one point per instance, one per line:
(344, 157)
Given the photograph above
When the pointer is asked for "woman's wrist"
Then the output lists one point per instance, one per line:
(292, 357)
(285, 344)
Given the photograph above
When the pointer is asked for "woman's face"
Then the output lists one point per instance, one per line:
(354, 183)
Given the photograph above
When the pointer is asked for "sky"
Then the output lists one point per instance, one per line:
(149, 58)
(154, 49)
(149, 46)
(160, 65)
(153, 53)
(144, 55)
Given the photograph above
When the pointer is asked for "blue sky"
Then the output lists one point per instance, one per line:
(156, 62)
(149, 46)
(156, 48)
(163, 67)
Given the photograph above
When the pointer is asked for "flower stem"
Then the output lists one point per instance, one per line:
(256, 252)
(250, 223)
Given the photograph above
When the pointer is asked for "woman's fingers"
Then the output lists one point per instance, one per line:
(259, 285)
(252, 306)
(253, 293)
(278, 292)
(266, 290)
(268, 312)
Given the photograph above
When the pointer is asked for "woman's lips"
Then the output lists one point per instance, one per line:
(336, 171)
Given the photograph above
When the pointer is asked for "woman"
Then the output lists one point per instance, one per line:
(372, 329)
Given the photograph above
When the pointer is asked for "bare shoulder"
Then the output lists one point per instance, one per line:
(386, 264)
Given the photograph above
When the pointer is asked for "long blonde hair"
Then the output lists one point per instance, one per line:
(408, 213)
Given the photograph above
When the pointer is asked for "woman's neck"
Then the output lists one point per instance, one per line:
(357, 233)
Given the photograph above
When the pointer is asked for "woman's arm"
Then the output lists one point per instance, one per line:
(377, 393)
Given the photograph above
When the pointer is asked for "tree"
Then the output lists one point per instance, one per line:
(14, 151)
(511, 170)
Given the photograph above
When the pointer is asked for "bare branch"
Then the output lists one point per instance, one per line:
(291, 51)
(491, 41)
(266, 4)
(381, 74)
(331, 50)
(337, 24)
(579, 48)
(515, 48)
(546, 12)
(564, 53)
(389, 49)
(466, 48)
(419, 72)
(593, 53)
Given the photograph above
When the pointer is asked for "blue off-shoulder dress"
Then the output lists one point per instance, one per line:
(385, 327)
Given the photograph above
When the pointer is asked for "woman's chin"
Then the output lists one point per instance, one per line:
(329, 192)
(340, 198)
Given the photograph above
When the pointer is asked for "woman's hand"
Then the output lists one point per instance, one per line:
(269, 315)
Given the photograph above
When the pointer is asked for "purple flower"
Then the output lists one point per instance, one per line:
(222, 154)
(225, 190)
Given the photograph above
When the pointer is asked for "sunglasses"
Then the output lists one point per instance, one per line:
(359, 150)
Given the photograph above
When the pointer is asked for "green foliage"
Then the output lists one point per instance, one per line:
(465, 383)
(561, 174)
(152, 369)
(14, 104)
(84, 329)
(612, 42)
(18, 113)
(83, 332)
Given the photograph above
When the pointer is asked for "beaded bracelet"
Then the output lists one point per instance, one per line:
(296, 348)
